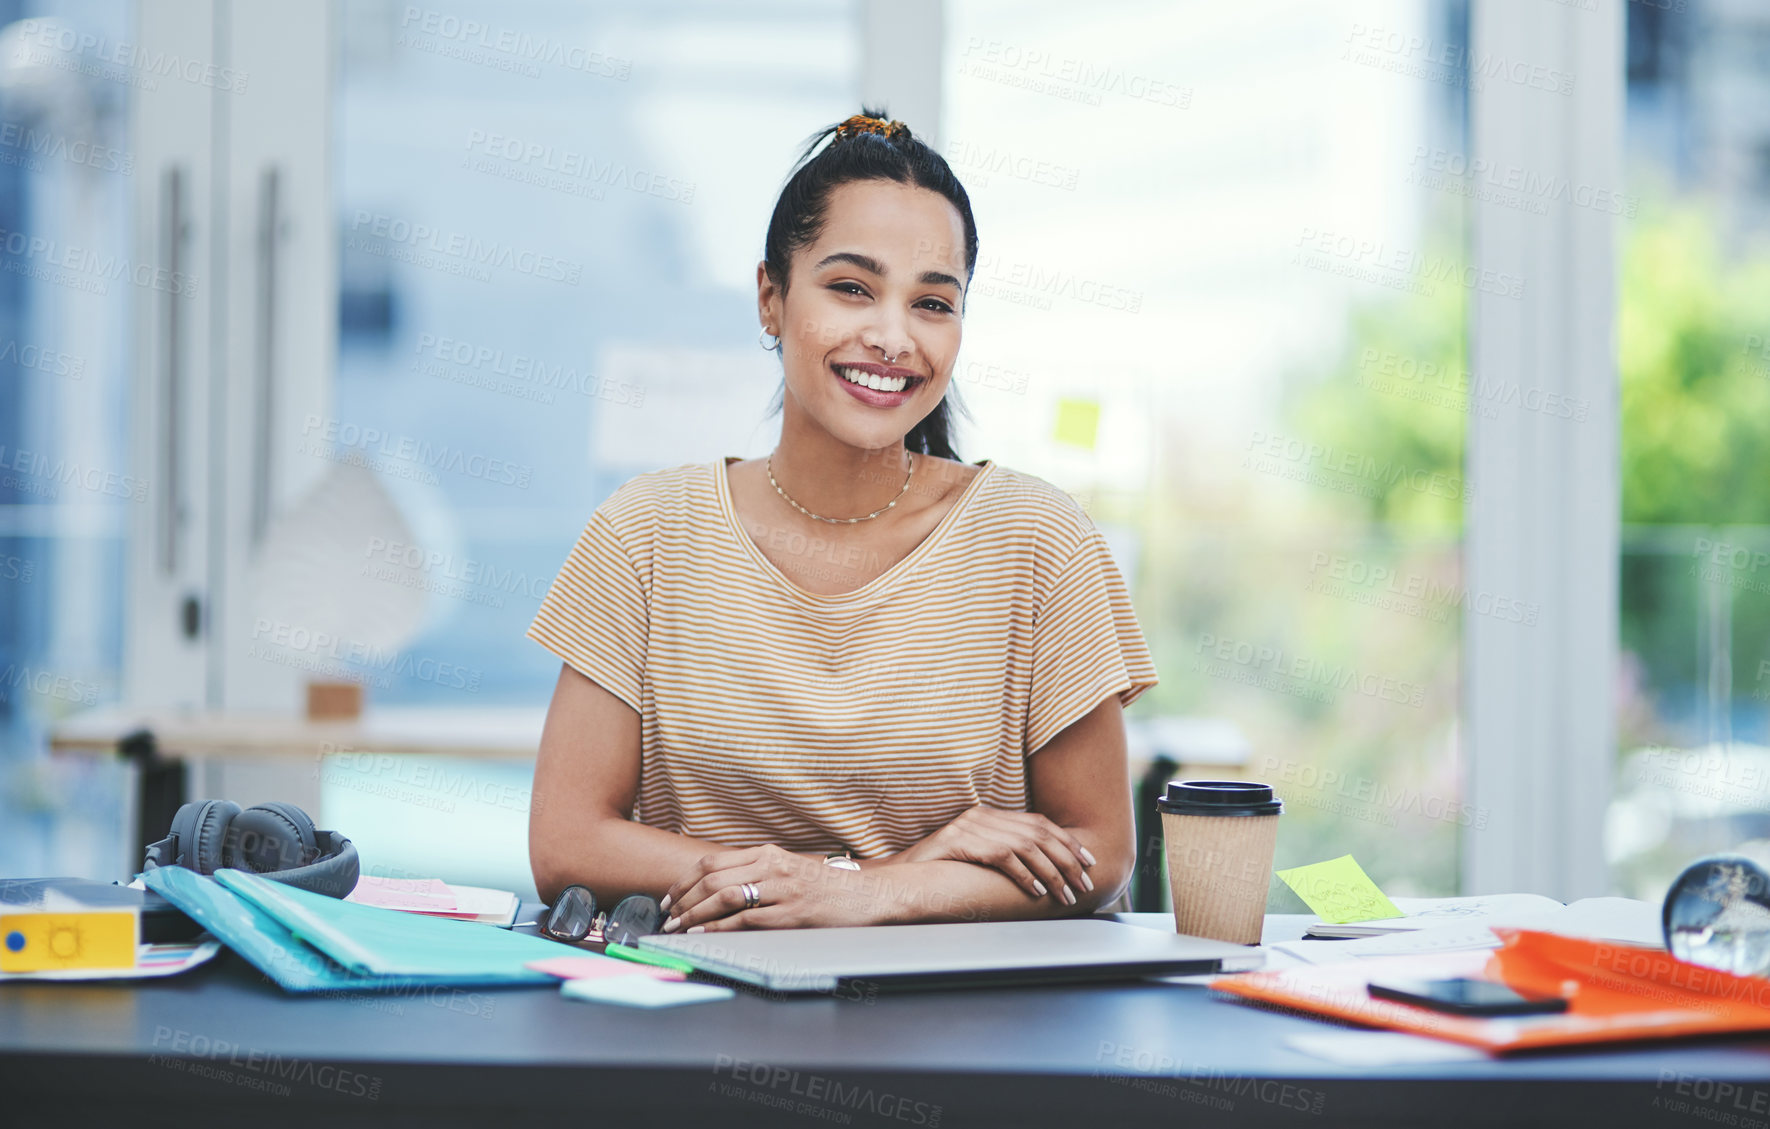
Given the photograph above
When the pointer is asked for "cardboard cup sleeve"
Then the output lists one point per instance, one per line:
(1219, 868)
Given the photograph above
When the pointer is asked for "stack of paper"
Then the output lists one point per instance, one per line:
(1424, 913)
(1351, 906)
(436, 898)
(160, 958)
(1623, 920)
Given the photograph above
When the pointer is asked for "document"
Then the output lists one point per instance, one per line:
(1381, 1048)
(1624, 920)
(437, 898)
(163, 958)
(1424, 913)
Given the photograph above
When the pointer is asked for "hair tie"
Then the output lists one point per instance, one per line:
(893, 130)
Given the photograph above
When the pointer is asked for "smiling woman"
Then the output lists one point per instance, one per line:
(847, 652)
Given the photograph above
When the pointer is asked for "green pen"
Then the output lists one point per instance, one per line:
(639, 956)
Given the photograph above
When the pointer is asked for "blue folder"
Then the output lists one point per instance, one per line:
(307, 942)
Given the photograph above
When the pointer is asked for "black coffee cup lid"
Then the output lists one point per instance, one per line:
(1219, 797)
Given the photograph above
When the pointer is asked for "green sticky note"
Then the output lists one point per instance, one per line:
(1077, 422)
(616, 949)
(1339, 891)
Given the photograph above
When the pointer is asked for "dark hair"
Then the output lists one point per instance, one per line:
(799, 214)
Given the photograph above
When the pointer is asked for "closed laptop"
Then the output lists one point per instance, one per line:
(967, 954)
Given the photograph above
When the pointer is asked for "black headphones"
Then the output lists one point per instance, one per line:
(275, 840)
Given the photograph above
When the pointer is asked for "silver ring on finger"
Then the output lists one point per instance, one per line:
(752, 896)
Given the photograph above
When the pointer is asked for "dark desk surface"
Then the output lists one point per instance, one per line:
(224, 1040)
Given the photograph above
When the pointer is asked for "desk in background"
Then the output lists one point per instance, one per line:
(171, 747)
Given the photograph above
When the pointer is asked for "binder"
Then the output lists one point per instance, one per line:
(307, 942)
(1618, 993)
(160, 921)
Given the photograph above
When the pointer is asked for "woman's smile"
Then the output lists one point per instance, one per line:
(880, 386)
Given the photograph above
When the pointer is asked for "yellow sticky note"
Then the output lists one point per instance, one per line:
(1077, 422)
(1339, 891)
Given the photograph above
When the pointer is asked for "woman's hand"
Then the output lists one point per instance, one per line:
(1041, 857)
(795, 891)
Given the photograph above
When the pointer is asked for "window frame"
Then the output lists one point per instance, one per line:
(257, 337)
(1544, 522)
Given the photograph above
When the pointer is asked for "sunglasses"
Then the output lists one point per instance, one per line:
(574, 917)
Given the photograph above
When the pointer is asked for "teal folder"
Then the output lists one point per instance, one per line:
(257, 936)
(308, 942)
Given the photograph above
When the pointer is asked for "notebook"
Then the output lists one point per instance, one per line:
(379, 942)
(261, 939)
(307, 942)
(437, 898)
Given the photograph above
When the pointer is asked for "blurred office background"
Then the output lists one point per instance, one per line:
(323, 328)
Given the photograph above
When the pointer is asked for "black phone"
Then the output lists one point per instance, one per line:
(1466, 997)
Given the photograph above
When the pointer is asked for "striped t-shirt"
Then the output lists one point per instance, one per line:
(864, 720)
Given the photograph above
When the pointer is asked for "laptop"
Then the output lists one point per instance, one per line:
(962, 955)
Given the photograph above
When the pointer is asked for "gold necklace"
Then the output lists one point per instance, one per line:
(768, 465)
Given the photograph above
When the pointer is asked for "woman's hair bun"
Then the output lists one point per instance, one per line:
(892, 130)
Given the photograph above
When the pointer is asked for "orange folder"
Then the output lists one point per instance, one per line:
(1617, 993)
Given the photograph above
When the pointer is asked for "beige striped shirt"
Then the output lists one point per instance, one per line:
(864, 720)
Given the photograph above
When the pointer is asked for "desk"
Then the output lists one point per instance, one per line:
(492, 733)
(225, 1041)
(164, 743)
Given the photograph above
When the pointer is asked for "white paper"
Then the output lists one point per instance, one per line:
(1380, 1048)
(165, 958)
(477, 900)
(1426, 913)
(1606, 919)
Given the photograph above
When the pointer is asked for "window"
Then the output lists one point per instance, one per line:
(549, 217)
(1221, 300)
(68, 490)
(1694, 686)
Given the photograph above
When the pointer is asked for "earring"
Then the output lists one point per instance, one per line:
(766, 333)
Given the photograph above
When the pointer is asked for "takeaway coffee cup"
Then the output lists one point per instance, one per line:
(1219, 836)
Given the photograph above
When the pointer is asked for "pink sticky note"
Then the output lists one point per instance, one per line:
(594, 967)
(431, 894)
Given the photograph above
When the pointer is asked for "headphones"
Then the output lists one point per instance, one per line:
(273, 839)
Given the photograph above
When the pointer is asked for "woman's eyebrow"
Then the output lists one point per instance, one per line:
(868, 263)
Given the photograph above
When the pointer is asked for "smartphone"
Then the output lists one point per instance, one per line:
(1466, 997)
